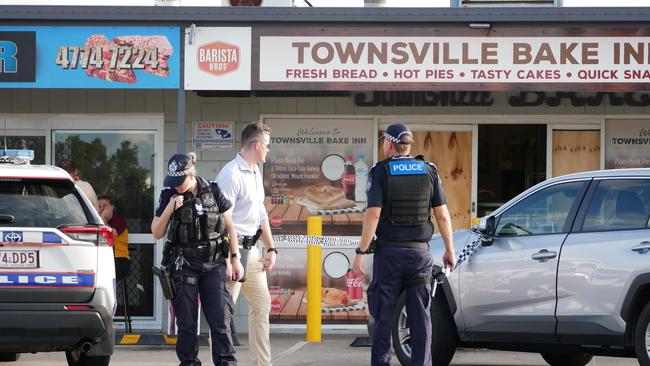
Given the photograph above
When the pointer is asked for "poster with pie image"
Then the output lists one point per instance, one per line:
(318, 166)
(343, 293)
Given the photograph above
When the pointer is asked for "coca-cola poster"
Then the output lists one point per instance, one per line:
(343, 293)
(318, 166)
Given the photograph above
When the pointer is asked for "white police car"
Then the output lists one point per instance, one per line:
(57, 275)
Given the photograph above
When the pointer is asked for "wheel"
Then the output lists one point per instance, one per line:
(77, 358)
(9, 356)
(567, 359)
(444, 335)
(642, 337)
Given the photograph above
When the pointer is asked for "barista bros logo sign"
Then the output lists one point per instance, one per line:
(17, 56)
(218, 58)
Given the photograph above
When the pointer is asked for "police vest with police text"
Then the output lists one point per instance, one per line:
(409, 190)
(197, 221)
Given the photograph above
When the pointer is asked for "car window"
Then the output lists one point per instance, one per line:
(620, 204)
(543, 212)
(40, 203)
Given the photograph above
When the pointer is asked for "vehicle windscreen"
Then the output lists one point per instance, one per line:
(40, 203)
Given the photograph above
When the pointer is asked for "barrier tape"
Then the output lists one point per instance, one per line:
(325, 241)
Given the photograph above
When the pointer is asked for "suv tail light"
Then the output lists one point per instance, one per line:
(99, 235)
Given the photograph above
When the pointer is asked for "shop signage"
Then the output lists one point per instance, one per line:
(318, 166)
(484, 99)
(533, 99)
(627, 143)
(17, 56)
(423, 98)
(103, 57)
(213, 135)
(218, 58)
(365, 58)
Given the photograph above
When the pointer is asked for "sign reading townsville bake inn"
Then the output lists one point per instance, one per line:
(454, 62)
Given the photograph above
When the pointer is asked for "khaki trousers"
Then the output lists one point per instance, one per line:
(257, 294)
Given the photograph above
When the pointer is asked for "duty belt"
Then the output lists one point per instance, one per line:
(249, 241)
(202, 251)
(403, 244)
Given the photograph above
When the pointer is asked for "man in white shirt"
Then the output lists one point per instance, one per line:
(241, 182)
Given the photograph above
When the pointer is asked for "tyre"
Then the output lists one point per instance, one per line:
(9, 356)
(77, 358)
(642, 337)
(444, 335)
(567, 358)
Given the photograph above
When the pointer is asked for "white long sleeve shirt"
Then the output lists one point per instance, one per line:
(244, 188)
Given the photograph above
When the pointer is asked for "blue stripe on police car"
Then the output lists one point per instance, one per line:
(46, 279)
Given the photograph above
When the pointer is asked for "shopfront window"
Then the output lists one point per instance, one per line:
(120, 165)
(36, 143)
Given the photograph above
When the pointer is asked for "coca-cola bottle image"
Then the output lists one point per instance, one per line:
(353, 285)
(348, 178)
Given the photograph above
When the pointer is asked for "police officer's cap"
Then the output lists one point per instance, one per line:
(178, 167)
(395, 132)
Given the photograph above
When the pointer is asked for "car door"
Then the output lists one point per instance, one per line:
(508, 289)
(605, 252)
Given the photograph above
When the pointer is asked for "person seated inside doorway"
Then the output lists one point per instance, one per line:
(121, 244)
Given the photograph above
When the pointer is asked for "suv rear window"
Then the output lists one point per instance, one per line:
(40, 203)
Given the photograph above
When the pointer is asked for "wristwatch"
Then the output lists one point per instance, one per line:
(359, 251)
(272, 250)
(235, 255)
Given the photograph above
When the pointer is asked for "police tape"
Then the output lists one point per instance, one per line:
(325, 241)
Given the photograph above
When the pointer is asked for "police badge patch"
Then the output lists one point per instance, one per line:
(172, 167)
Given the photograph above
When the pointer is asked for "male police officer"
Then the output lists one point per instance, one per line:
(198, 216)
(401, 192)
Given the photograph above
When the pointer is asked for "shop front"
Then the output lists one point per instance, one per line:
(496, 110)
(94, 95)
(497, 105)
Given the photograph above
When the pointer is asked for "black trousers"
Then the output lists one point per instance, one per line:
(209, 281)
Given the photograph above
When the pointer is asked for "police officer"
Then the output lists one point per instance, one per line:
(196, 217)
(401, 192)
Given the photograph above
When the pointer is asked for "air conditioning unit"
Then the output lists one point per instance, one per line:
(501, 3)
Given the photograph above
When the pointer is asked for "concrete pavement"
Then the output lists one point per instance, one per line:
(292, 350)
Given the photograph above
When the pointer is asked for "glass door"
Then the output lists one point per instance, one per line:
(120, 165)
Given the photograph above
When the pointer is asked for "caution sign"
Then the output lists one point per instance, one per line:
(213, 136)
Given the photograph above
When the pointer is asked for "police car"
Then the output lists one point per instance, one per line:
(57, 275)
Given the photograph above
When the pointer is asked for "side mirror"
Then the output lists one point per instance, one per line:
(487, 225)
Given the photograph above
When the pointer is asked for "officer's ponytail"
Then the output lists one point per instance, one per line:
(404, 144)
(192, 156)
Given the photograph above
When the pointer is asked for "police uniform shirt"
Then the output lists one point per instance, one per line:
(167, 193)
(377, 184)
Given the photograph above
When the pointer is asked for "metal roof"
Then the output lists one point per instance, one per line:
(269, 15)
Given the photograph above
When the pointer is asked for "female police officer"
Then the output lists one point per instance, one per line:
(401, 192)
(196, 213)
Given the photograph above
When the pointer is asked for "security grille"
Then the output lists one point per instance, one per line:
(500, 3)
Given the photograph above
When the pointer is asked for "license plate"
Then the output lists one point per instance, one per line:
(19, 259)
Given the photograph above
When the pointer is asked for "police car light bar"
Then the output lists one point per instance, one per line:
(18, 156)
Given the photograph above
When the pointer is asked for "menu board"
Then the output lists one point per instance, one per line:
(318, 166)
(626, 143)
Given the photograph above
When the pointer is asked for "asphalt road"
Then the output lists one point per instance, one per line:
(291, 350)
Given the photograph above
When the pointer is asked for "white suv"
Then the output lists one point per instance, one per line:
(57, 275)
